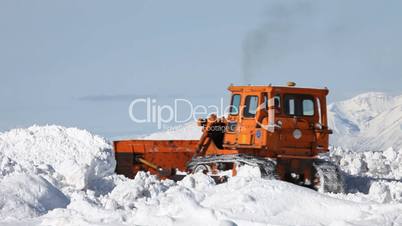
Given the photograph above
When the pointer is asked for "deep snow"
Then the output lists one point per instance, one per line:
(38, 192)
(39, 166)
(53, 175)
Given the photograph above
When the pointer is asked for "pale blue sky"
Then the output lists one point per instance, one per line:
(80, 63)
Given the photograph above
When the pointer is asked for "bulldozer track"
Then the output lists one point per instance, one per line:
(266, 165)
(329, 176)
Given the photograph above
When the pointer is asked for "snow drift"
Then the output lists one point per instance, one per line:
(38, 163)
(198, 201)
(77, 156)
(36, 189)
(27, 195)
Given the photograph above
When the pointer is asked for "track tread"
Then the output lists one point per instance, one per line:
(267, 166)
(330, 176)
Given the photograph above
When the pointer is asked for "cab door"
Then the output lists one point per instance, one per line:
(299, 116)
(234, 116)
(247, 122)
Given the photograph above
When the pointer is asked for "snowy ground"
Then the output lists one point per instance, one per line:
(62, 176)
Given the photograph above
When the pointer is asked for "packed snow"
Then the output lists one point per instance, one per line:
(51, 175)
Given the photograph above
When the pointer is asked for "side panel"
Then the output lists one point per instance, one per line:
(173, 154)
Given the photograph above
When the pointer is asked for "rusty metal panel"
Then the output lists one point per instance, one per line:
(163, 153)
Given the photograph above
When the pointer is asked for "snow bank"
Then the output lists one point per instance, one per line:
(23, 193)
(376, 174)
(40, 167)
(79, 157)
(376, 164)
(143, 186)
(63, 176)
(198, 201)
(28, 195)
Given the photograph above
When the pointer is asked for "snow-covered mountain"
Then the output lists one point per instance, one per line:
(369, 121)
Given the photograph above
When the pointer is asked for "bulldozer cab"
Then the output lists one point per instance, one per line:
(285, 120)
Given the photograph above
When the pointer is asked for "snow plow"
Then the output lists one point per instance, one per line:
(282, 130)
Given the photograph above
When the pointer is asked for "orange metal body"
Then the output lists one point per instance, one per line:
(166, 154)
(272, 131)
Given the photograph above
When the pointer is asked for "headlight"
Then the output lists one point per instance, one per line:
(297, 134)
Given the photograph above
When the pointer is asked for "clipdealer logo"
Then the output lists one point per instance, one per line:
(181, 111)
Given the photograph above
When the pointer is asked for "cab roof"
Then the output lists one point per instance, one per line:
(279, 89)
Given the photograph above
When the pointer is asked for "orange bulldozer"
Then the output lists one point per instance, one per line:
(282, 130)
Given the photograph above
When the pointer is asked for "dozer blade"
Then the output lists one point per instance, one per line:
(160, 157)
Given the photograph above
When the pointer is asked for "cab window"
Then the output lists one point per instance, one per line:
(250, 106)
(235, 104)
(299, 105)
(277, 103)
(308, 107)
(290, 106)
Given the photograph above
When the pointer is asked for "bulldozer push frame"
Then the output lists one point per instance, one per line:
(282, 130)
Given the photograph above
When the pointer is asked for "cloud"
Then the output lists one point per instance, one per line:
(130, 97)
(113, 98)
